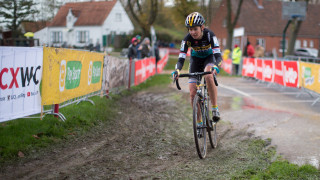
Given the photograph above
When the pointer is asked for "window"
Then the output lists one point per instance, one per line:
(118, 17)
(261, 42)
(311, 43)
(305, 43)
(82, 36)
(56, 37)
(297, 44)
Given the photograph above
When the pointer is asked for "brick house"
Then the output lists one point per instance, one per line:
(83, 23)
(261, 21)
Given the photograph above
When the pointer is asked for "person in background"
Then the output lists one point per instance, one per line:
(225, 54)
(138, 45)
(236, 58)
(132, 50)
(145, 48)
(259, 51)
(250, 49)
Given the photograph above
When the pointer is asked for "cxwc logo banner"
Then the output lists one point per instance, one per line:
(70, 74)
(94, 72)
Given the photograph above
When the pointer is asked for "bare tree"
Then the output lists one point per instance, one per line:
(295, 28)
(231, 24)
(144, 13)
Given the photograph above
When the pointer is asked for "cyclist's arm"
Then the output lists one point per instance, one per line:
(216, 50)
(182, 54)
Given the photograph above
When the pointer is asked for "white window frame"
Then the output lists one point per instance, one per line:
(56, 37)
(82, 37)
(262, 42)
(305, 43)
(297, 44)
(118, 17)
(311, 43)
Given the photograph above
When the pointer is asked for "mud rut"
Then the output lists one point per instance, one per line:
(151, 138)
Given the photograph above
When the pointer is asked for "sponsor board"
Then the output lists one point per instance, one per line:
(291, 72)
(227, 65)
(144, 69)
(69, 74)
(310, 76)
(20, 76)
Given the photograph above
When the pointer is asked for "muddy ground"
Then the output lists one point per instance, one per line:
(150, 139)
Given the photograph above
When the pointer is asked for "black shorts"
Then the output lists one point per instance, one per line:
(199, 64)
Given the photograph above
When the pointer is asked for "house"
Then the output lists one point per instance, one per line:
(261, 21)
(86, 23)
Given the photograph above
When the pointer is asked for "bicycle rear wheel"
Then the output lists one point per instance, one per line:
(213, 137)
(200, 132)
(212, 129)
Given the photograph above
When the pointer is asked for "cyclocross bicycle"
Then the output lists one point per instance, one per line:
(201, 104)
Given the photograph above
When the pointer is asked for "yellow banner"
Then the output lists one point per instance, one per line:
(68, 74)
(310, 76)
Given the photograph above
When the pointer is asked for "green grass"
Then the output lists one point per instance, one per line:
(281, 169)
(26, 135)
(175, 34)
(172, 61)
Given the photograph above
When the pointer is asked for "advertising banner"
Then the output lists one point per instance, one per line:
(144, 68)
(115, 72)
(268, 70)
(278, 72)
(310, 76)
(248, 68)
(162, 63)
(227, 65)
(291, 72)
(69, 74)
(20, 76)
(259, 63)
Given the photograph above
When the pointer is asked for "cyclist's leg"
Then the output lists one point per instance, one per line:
(212, 88)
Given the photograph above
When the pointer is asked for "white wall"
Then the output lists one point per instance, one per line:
(119, 27)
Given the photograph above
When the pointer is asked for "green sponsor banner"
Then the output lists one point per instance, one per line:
(73, 75)
(307, 72)
(96, 72)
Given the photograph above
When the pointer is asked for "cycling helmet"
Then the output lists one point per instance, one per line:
(194, 19)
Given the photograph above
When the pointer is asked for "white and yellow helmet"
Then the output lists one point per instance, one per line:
(194, 19)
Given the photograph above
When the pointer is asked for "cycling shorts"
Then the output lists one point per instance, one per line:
(199, 64)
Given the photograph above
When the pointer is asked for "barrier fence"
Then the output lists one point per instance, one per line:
(287, 73)
(67, 77)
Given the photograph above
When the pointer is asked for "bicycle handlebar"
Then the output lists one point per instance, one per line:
(196, 74)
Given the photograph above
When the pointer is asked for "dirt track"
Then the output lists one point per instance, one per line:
(151, 138)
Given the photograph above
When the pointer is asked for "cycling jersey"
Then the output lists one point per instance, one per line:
(200, 48)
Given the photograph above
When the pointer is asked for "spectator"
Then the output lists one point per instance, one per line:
(132, 50)
(97, 48)
(259, 51)
(138, 45)
(236, 58)
(250, 49)
(145, 48)
(226, 54)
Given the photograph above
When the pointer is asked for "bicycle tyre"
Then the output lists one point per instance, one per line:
(213, 137)
(200, 139)
(212, 130)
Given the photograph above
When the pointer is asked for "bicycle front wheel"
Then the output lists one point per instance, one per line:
(199, 131)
